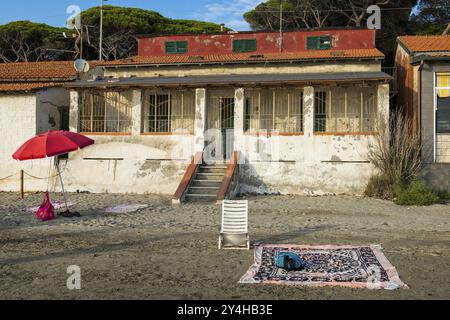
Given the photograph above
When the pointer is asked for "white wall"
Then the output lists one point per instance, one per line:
(306, 164)
(49, 104)
(256, 68)
(22, 116)
(18, 124)
(127, 164)
(310, 163)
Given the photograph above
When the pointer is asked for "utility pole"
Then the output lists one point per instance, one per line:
(101, 32)
(281, 27)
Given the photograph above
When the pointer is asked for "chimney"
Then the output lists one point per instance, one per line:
(222, 27)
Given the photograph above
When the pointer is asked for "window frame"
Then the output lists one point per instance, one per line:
(436, 109)
(153, 118)
(317, 45)
(103, 95)
(329, 119)
(171, 115)
(185, 48)
(244, 45)
(291, 93)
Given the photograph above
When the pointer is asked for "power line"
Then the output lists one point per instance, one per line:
(335, 10)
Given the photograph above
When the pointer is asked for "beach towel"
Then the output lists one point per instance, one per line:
(326, 265)
(125, 208)
(46, 210)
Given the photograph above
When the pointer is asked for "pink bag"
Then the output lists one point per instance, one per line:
(46, 211)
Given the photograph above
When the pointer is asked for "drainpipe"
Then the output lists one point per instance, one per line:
(419, 98)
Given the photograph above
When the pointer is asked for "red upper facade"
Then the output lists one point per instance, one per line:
(258, 42)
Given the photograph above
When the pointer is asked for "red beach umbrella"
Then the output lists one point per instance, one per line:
(52, 143)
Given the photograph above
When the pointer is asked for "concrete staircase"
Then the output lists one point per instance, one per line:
(205, 183)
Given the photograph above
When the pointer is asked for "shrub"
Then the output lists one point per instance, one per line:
(443, 194)
(380, 186)
(396, 150)
(416, 193)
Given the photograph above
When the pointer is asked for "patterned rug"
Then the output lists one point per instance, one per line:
(346, 266)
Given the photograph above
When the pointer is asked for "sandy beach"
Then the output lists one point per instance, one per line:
(165, 252)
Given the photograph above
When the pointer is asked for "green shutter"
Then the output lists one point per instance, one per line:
(176, 46)
(319, 43)
(171, 47)
(250, 45)
(244, 45)
(325, 43)
(181, 46)
(238, 45)
(312, 43)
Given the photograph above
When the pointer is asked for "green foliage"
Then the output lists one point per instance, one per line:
(431, 17)
(30, 29)
(339, 13)
(417, 193)
(381, 187)
(140, 21)
(29, 41)
(443, 194)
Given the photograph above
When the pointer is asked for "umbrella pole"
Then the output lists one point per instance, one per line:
(62, 185)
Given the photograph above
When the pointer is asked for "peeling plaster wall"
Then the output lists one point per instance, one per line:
(21, 117)
(129, 164)
(50, 105)
(300, 67)
(266, 42)
(306, 165)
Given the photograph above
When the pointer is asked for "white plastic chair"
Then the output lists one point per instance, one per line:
(234, 229)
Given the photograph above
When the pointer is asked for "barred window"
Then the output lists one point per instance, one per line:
(166, 111)
(443, 102)
(345, 109)
(274, 109)
(105, 111)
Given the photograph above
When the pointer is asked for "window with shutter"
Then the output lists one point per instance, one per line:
(244, 45)
(176, 46)
(319, 43)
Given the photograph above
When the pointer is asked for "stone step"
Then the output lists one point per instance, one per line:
(203, 190)
(219, 166)
(206, 183)
(212, 170)
(192, 197)
(209, 176)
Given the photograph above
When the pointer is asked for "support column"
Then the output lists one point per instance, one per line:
(308, 111)
(200, 119)
(239, 98)
(383, 106)
(136, 112)
(73, 111)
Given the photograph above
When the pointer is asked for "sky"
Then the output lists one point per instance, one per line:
(53, 12)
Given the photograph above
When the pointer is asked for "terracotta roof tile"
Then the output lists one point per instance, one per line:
(37, 70)
(425, 43)
(27, 86)
(249, 57)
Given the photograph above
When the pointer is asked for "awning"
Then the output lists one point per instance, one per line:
(234, 80)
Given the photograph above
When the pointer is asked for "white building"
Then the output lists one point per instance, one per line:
(206, 116)
(32, 101)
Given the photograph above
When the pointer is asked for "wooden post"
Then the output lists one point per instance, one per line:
(21, 185)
